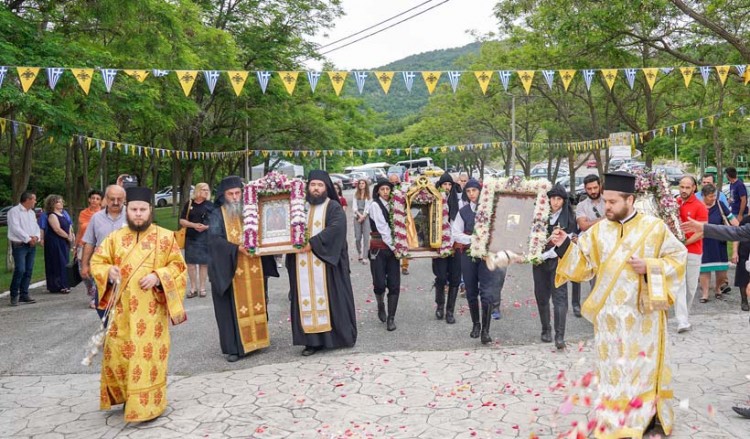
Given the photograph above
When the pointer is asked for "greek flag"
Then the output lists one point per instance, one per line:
(53, 75)
(630, 75)
(667, 70)
(453, 77)
(588, 75)
(549, 76)
(740, 69)
(504, 78)
(3, 72)
(263, 80)
(108, 75)
(408, 80)
(159, 73)
(360, 78)
(211, 76)
(312, 78)
(705, 72)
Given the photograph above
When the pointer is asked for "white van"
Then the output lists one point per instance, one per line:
(424, 162)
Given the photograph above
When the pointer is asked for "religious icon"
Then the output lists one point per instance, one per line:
(512, 223)
(423, 206)
(275, 223)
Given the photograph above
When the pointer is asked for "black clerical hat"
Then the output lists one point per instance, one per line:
(231, 182)
(139, 194)
(619, 181)
(320, 175)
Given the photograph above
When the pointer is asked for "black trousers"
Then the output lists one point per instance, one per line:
(386, 271)
(447, 271)
(481, 282)
(544, 290)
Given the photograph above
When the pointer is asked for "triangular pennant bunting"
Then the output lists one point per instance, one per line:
(567, 77)
(705, 73)
(527, 76)
(3, 72)
(723, 72)
(138, 75)
(263, 77)
(651, 74)
(610, 75)
(84, 77)
(687, 74)
(746, 76)
(408, 80)
(237, 78)
(484, 77)
(385, 79)
(588, 75)
(53, 75)
(431, 79)
(160, 73)
(453, 77)
(666, 70)
(337, 80)
(27, 75)
(108, 75)
(549, 77)
(360, 78)
(740, 70)
(504, 78)
(630, 76)
(312, 78)
(289, 79)
(187, 79)
(211, 77)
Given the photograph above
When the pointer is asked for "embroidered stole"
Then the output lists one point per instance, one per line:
(312, 288)
(249, 292)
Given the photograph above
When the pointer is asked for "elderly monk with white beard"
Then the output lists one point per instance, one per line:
(238, 280)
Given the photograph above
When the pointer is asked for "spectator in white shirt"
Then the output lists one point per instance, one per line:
(23, 236)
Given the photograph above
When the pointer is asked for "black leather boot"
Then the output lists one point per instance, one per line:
(576, 299)
(476, 326)
(392, 306)
(744, 305)
(381, 307)
(544, 317)
(440, 301)
(486, 319)
(560, 316)
(451, 306)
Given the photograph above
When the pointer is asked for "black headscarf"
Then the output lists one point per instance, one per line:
(567, 218)
(472, 183)
(320, 175)
(381, 182)
(452, 197)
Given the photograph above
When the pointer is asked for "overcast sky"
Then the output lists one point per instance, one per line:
(443, 27)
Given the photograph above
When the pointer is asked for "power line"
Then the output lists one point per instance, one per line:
(374, 25)
(385, 28)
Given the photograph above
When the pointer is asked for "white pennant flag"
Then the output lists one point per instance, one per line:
(263, 79)
(211, 76)
(53, 75)
(667, 70)
(453, 77)
(740, 69)
(360, 78)
(504, 78)
(3, 72)
(159, 73)
(588, 75)
(312, 78)
(705, 72)
(408, 80)
(549, 76)
(108, 75)
(630, 75)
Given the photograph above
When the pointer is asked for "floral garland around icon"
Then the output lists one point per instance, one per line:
(651, 184)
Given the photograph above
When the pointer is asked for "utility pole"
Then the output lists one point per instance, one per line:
(511, 170)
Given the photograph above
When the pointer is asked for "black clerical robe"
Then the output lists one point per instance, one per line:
(333, 324)
(238, 287)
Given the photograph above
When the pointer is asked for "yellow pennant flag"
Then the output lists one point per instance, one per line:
(723, 71)
(337, 80)
(385, 79)
(290, 80)
(2, 126)
(431, 79)
(711, 120)
(650, 74)
(687, 74)
(84, 77)
(567, 77)
(484, 77)
(27, 75)
(527, 76)
(237, 78)
(746, 75)
(28, 130)
(138, 75)
(609, 77)
(187, 79)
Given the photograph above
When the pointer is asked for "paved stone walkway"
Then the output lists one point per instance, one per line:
(486, 392)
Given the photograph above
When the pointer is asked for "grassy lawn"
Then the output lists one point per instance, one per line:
(163, 217)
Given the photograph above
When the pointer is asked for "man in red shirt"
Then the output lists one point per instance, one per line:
(690, 208)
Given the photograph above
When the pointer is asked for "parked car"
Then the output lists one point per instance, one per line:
(632, 166)
(347, 182)
(432, 171)
(672, 173)
(163, 198)
(398, 170)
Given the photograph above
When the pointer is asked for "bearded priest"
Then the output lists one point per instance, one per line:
(140, 275)
(639, 267)
(323, 313)
(238, 280)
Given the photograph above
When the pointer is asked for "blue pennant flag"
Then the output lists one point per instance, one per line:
(159, 73)
(53, 75)
(705, 72)
(667, 70)
(263, 80)
(630, 75)
(740, 69)
(684, 125)
(312, 78)
(3, 72)
(360, 78)
(434, 149)
(211, 76)
(588, 75)
(549, 76)
(108, 75)
(504, 78)
(408, 79)
(453, 77)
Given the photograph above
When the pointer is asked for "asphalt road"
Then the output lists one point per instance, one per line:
(50, 336)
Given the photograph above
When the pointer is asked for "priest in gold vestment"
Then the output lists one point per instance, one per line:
(639, 267)
(147, 262)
